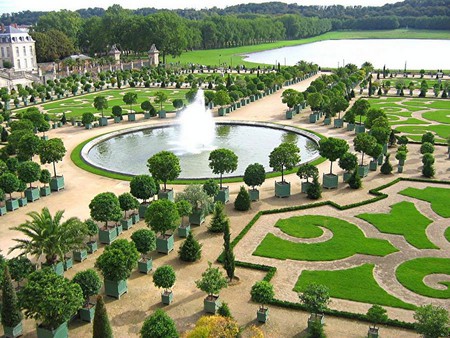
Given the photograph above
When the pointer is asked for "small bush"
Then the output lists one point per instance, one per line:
(242, 202)
(190, 250)
(428, 170)
(428, 137)
(314, 192)
(218, 219)
(386, 168)
(315, 330)
(426, 148)
(355, 181)
(224, 310)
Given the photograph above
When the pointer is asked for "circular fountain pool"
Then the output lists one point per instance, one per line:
(127, 151)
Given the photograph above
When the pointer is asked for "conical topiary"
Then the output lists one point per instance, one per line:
(218, 219)
(101, 326)
(355, 180)
(228, 255)
(190, 250)
(386, 168)
(224, 310)
(11, 314)
(314, 192)
(242, 202)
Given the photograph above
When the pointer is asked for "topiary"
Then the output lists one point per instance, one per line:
(101, 325)
(224, 310)
(242, 202)
(10, 312)
(211, 187)
(355, 180)
(428, 137)
(159, 325)
(386, 168)
(428, 158)
(164, 277)
(90, 283)
(428, 170)
(314, 191)
(219, 218)
(144, 240)
(190, 250)
(426, 148)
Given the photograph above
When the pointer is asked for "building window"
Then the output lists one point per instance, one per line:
(3, 52)
(24, 51)
(31, 50)
(17, 51)
(18, 64)
(26, 63)
(7, 52)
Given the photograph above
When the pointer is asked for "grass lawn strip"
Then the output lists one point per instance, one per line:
(441, 116)
(447, 234)
(441, 130)
(355, 284)
(347, 241)
(411, 274)
(292, 227)
(407, 121)
(405, 220)
(438, 197)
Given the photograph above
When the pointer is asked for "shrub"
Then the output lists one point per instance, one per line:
(211, 187)
(432, 321)
(315, 330)
(386, 168)
(428, 159)
(219, 219)
(20, 267)
(224, 310)
(190, 250)
(314, 192)
(262, 293)
(348, 161)
(118, 260)
(10, 311)
(426, 148)
(162, 216)
(144, 240)
(254, 175)
(159, 325)
(355, 181)
(212, 281)
(90, 283)
(101, 325)
(242, 202)
(428, 137)
(428, 170)
(164, 277)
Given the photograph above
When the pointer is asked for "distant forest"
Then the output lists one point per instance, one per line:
(93, 30)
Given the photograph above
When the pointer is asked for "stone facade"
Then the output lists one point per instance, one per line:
(17, 47)
(153, 56)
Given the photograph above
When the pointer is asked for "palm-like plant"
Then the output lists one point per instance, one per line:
(47, 236)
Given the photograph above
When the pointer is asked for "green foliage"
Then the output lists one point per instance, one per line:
(92, 228)
(262, 292)
(228, 255)
(224, 310)
(144, 240)
(20, 267)
(87, 118)
(130, 98)
(222, 161)
(426, 148)
(105, 207)
(159, 325)
(354, 181)
(284, 157)
(428, 159)
(377, 315)
(364, 143)
(291, 97)
(315, 297)
(196, 196)
(428, 170)
(348, 161)
(164, 166)
(160, 98)
(307, 171)
(143, 187)
(9, 183)
(212, 281)
(29, 172)
(117, 111)
(372, 115)
(162, 216)
(10, 311)
(332, 149)
(211, 187)
(386, 168)
(118, 260)
(428, 137)
(164, 277)
(401, 155)
(100, 103)
(45, 177)
(190, 250)
(314, 192)
(128, 202)
(438, 197)
(315, 330)
(28, 146)
(101, 326)
(432, 321)
(242, 202)
(219, 219)
(254, 175)
(90, 283)
(191, 94)
(221, 98)
(44, 285)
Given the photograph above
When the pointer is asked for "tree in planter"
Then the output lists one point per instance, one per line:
(432, 321)
(177, 104)
(376, 315)
(364, 143)
(143, 187)
(87, 118)
(375, 152)
(332, 149)
(386, 168)
(338, 104)
(401, 156)
(160, 98)
(348, 162)
(219, 218)
(66, 298)
(117, 111)
(392, 138)
(145, 241)
(361, 107)
(159, 325)
(254, 175)
(228, 255)
(148, 107)
(190, 250)
(100, 103)
(127, 202)
(184, 209)
(211, 187)
(372, 115)
(242, 202)
(164, 277)
(162, 216)
(9, 183)
(315, 101)
(90, 284)
(284, 157)
(105, 207)
(262, 292)
(48, 237)
(221, 98)
(316, 298)
(20, 267)
(198, 198)
(212, 282)
(28, 146)
(45, 177)
(164, 166)
(92, 229)
(29, 172)
(291, 97)
(222, 161)
(307, 171)
(11, 316)
(130, 99)
(101, 327)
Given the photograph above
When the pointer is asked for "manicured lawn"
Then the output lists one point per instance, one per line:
(441, 116)
(447, 234)
(292, 227)
(347, 241)
(405, 220)
(411, 274)
(441, 130)
(356, 284)
(408, 121)
(438, 197)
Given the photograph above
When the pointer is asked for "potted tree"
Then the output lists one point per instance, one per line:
(164, 277)
(262, 292)
(101, 103)
(116, 264)
(130, 98)
(284, 157)
(222, 161)
(401, 157)
(349, 117)
(2, 207)
(160, 98)
(11, 315)
(159, 325)
(212, 282)
(315, 101)
(291, 98)
(29, 172)
(143, 187)
(307, 171)
(21, 188)
(348, 162)
(222, 98)
(105, 207)
(315, 297)
(117, 113)
(87, 119)
(66, 298)
(376, 315)
(184, 209)
(9, 183)
(364, 143)
(338, 104)
(375, 152)
(199, 200)
(162, 216)
(90, 284)
(360, 107)
(52, 152)
(147, 107)
(92, 230)
(145, 241)
(332, 149)
(20, 268)
(127, 202)
(164, 166)
(44, 178)
(254, 176)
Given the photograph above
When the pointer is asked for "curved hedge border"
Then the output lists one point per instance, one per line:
(272, 270)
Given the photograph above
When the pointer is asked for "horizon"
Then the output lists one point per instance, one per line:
(7, 6)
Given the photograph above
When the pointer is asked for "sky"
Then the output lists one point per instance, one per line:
(7, 6)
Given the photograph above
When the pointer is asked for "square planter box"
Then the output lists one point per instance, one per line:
(12, 204)
(350, 126)
(22, 201)
(282, 189)
(126, 223)
(61, 331)
(330, 181)
(80, 255)
(57, 183)
(197, 217)
(363, 170)
(167, 297)
(119, 229)
(373, 165)
(131, 117)
(103, 121)
(166, 195)
(262, 315)
(2, 210)
(44, 138)
(313, 118)
(254, 194)
(87, 313)
(221, 112)
(32, 194)
(289, 114)
(117, 119)
(347, 176)
(211, 305)
(88, 126)
(400, 169)
(360, 129)
(316, 318)
(401, 162)
(135, 218)
(45, 191)
(305, 187)
(183, 231)
(13, 332)
(327, 121)
(380, 160)
(78, 124)
(115, 288)
(373, 332)
(338, 123)
(145, 266)
(385, 148)
(92, 247)
(107, 236)
(68, 263)
(164, 244)
(147, 116)
(223, 195)
(142, 209)
(58, 267)
(162, 114)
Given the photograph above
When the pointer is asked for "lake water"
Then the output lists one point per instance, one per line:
(418, 54)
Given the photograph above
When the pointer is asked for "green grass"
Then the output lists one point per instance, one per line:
(438, 197)
(235, 55)
(411, 274)
(293, 228)
(355, 284)
(447, 234)
(408, 121)
(347, 241)
(405, 220)
(442, 131)
(441, 116)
